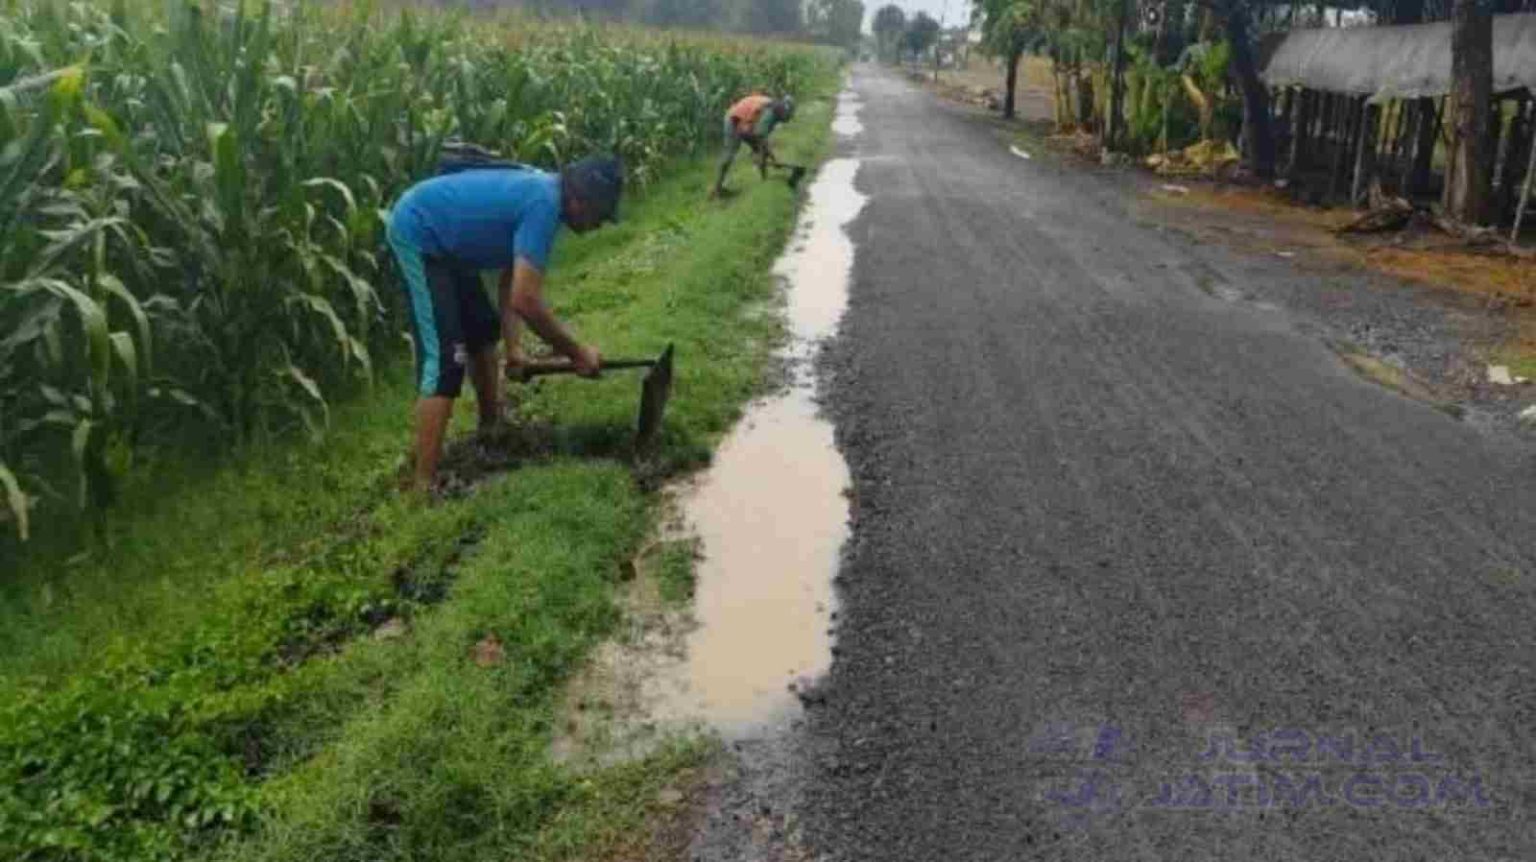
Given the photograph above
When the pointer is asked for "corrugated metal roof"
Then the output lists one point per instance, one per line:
(1398, 62)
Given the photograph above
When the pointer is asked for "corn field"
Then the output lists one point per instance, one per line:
(191, 193)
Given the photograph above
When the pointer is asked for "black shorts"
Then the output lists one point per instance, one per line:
(452, 319)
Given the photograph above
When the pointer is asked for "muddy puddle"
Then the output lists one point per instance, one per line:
(767, 520)
(771, 514)
(845, 123)
(770, 519)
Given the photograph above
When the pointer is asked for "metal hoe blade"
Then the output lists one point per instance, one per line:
(654, 393)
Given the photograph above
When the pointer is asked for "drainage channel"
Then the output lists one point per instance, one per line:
(770, 513)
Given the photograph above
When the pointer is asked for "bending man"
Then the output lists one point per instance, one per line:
(444, 231)
(750, 121)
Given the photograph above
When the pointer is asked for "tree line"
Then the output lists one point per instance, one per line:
(833, 22)
(897, 36)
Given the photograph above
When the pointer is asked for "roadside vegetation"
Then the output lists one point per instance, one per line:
(260, 649)
(189, 207)
(1441, 163)
(1157, 77)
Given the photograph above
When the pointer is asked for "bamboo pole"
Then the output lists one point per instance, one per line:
(1525, 195)
(1498, 130)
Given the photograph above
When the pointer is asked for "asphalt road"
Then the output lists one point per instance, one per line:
(1104, 518)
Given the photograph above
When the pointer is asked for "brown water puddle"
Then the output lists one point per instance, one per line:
(771, 519)
(770, 514)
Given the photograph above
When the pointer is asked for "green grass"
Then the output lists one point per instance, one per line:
(274, 659)
(1520, 359)
(673, 564)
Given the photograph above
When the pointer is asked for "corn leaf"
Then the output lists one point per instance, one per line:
(335, 185)
(64, 242)
(15, 500)
(122, 348)
(80, 447)
(115, 289)
(93, 322)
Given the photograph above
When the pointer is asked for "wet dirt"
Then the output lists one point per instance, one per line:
(470, 460)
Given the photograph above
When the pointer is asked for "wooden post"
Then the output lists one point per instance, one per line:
(1393, 140)
(1328, 133)
(1387, 123)
(1301, 119)
(1525, 195)
(1403, 151)
(1365, 152)
(1116, 85)
(1398, 140)
(1440, 120)
(1498, 141)
(1520, 137)
(1450, 151)
(1410, 136)
(1327, 107)
(1507, 156)
(1346, 128)
(1426, 137)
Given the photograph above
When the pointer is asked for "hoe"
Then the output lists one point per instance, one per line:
(796, 172)
(654, 389)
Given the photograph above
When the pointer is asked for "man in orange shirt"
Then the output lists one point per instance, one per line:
(750, 121)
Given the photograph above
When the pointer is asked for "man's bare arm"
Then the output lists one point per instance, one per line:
(527, 302)
(511, 324)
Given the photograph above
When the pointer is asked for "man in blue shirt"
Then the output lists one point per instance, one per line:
(447, 229)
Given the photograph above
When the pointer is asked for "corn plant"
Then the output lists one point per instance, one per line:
(190, 202)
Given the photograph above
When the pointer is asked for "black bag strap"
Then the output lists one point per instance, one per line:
(458, 156)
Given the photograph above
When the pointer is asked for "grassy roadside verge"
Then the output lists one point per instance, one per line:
(286, 660)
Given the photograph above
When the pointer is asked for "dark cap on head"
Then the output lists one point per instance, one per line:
(598, 181)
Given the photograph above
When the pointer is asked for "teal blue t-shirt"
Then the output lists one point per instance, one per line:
(487, 218)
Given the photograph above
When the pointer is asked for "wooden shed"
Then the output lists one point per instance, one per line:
(1367, 104)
